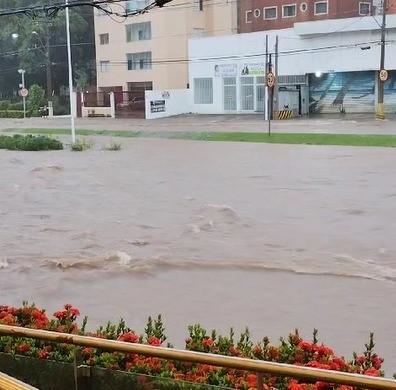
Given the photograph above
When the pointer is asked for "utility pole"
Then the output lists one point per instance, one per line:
(70, 68)
(271, 96)
(266, 100)
(381, 83)
(276, 89)
(22, 73)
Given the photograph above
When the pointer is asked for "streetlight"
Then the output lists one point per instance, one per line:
(70, 67)
(22, 73)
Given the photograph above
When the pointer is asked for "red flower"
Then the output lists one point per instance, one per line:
(377, 362)
(345, 387)
(294, 385)
(252, 380)
(323, 350)
(23, 348)
(129, 337)
(338, 364)
(372, 372)
(43, 354)
(154, 341)
(306, 346)
(321, 386)
(207, 343)
(361, 360)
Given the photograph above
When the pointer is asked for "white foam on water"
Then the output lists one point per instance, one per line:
(4, 264)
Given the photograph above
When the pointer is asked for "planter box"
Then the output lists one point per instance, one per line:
(50, 375)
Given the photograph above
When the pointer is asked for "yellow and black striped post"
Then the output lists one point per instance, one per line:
(285, 114)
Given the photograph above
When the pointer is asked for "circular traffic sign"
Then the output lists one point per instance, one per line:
(24, 92)
(383, 75)
(270, 80)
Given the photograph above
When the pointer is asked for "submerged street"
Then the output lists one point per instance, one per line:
(228, 234)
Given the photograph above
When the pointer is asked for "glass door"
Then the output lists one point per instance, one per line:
(230, 93)
(247, 93)
(260, 94)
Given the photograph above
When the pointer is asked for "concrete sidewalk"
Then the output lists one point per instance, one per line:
(354, 124)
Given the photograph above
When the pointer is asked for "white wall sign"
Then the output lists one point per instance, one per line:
(253, 69)
(157, 106)
(226, 70)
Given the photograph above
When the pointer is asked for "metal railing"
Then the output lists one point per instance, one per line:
(8, 383)
(256, 366)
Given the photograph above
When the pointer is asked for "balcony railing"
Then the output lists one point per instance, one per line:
(255, 366)
(8, 383)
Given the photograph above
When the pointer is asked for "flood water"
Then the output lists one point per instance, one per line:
(269, 236)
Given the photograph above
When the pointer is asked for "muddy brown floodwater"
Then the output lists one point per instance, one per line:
(269, 236)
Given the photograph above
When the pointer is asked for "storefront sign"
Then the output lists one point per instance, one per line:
(253, 69)
(226, 70)
(157, 106)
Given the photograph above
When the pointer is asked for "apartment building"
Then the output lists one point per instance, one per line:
(149, 51)
(259, 15)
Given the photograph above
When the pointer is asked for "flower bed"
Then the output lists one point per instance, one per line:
(291, 350)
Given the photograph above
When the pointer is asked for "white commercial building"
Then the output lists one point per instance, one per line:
(324, 66)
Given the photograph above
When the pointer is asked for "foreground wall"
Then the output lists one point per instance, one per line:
(162, 104)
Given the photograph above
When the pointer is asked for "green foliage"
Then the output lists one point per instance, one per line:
(81, 146)
(11, 114)
(36, 98)
(155, 328)
(81, 79)
(29, 143)
(4, 104)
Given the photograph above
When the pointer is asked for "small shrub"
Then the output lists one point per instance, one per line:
(11, 114)
(4, 104)
(36, 98)
(15, 106)
(29, 143)
(114, 146)
(81, 146)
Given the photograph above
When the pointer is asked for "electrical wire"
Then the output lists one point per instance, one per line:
(51, 10)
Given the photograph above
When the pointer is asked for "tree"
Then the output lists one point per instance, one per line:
(39, 45)
(36, 98)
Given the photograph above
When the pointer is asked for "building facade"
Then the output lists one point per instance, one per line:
(325, 66)
(149, 51)
(259, 15)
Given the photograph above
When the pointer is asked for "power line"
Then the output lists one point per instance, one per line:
(51, 10)
(256, 55)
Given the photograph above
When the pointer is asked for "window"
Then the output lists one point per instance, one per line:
(104, 66)
(289, 11)
(198, 5)
(139, 61)
(321, 8)
(104, 39)
(270, 13)
(138, 31)
(364, 8)
(203, 91)
(136, 5)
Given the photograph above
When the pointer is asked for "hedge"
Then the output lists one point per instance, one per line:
(18, 114)
(29, 142)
